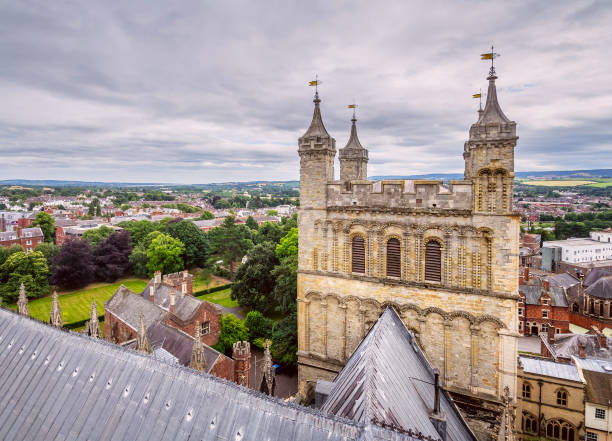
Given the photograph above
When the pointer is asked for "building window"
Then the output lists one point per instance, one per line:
(28, 242)
(520, 326)
(591, 306)
(394, 258)
(575, 307)
(526, 390)
(562, 398)
(520, 312)
(433, 261)
(205, 328)
(358, 255)
(560, 430)
(545, 302)
(530, 423)
(545, 313)
(601, 309)
(591, 436)
(600, 414)
(544, 327)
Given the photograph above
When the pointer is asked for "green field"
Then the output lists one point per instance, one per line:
(76, 305)
(221, 298)
(588, 182)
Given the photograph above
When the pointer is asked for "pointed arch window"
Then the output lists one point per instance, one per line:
(358, 255)
(433, 261)
(562, 397)
(394, 258)
(530, 423)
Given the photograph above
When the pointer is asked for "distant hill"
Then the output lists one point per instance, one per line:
(599, 173)
(60, 183)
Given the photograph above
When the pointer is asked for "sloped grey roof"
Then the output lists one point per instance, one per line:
(549, 368)
(66, 386)
(532, 293)
(128, 305)
(564, 280)
(601, 289)
(557, 296)
(598, 388)
(185, 305)
(595, 275)
(566, 346)
(389, 381)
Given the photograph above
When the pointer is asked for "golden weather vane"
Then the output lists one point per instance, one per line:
(316, 83)
(490, 56)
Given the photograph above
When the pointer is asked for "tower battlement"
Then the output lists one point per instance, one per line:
(411, 194)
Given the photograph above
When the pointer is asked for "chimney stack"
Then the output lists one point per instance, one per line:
(152, 292)
(601, 338)
(581, 350)
(172, 301)
(157, 277)
(241, 353)
(546, 285)
(436, 416)
(551, 334)
(526, 274)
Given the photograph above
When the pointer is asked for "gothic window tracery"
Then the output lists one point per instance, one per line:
(562, 397)
(560, 430)
(529, 423)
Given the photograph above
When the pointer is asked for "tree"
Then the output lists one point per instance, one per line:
(284, 340)
(206, 215)
(221, 204)
(112, 256)
(258, 325)
(73, 266)
(253, 284)
(47, 225)
(138, 261)
(165, 254)
(91, 212)
(195, 241)
(229, 242)
(95, 235)
(268, 232)
(251, 223)
(288, 245)
(232, 330)
(285, 287)
(49, 250)
(272, 213)
(30, 269)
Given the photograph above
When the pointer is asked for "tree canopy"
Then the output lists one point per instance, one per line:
(73, 266)
(95, 235)
(195, 241)
(229, 242)
(254, 282)
(165, 254)
(30, 269)
(288, 245)
(47, 225)
(111, 256)
(232, 330)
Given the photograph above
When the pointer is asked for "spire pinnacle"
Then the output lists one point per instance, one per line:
(22, 303)
(268, 380)
(142, 342)
(317, 128)
(198, 360)
(93, 325)
(55, 318)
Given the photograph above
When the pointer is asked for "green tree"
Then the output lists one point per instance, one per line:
(268, 232)
(139, 229)
(138, 261)
(258, 325)
(284, 340)
(232, 330)
(30, 269)
(229, 243)
(49, 250)
(206, 215)
(47, 224)
(251, 223)
(272, 213)
(165, 254)
(285, 286)
(95, 235)
(146, 243)
(288, 245)
(253, 284)
(195, 241)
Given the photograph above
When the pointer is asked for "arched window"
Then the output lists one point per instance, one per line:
(526, 390)
(394, 258)
(601, 309)
(575, 307)
(591, 306)
(433, 261)
(560, 430)
(529, 423)
(358, 255)
(561, 397)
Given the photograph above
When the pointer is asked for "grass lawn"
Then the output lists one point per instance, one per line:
(76, 305)
(558, 182)
(220, 298)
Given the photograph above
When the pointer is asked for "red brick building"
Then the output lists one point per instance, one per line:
(542, 307)
(28, 238)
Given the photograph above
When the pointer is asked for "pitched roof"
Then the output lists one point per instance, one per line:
(317, 128)
(549, 368)
(533, 295)
(598, 388)
(566, 346)
(565, 280)
(185, 305)
(601, 289)
(389, 381)
(127, 306)
(595, 274)
(65, 385)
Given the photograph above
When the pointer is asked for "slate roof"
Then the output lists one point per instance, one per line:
(598, 388)
(564, 280)
(177, 343)
(548, 368)
(596, 274)
(388, 380)
(127, 306)
(185, 305)
(602, 289)
(59, 385)
(566, 346)
(533, 295)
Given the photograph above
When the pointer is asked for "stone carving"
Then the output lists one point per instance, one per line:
(92, 327)
(22, 302)
(198, 361)
(55, 318)
(142, 342)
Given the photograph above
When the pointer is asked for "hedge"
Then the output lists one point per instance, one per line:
(211, 290)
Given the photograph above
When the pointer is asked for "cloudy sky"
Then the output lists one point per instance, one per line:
(208, 91)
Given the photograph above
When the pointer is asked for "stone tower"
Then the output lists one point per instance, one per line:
(241, 353)
(489, 156)
(353, 158)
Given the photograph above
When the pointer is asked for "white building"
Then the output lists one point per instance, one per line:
(602, 236)
(584, 250)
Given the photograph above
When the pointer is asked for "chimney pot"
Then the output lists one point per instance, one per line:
(581, 350)
(172, 302)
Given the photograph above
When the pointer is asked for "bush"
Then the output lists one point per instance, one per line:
(232, 330)
(258, 325)
(284, 340)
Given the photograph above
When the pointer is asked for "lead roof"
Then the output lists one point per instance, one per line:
(59, 385)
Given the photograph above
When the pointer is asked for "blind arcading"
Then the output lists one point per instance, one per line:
(433, 261)
(358, 255)
(394, 258)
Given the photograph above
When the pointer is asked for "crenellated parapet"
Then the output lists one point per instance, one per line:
(416, 194)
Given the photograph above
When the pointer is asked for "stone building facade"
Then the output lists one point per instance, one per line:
(444, 256)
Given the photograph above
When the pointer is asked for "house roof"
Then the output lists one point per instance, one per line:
(598, 388)
(549, 368)
(565, 280)
(127, 306)
(601, 289)
(533, 295)
(566, 346)
(65, 385)
(595, 275)
(185, 305)
(389, 381)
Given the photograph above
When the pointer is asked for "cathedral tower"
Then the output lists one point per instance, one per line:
(489, 156)
(353, 158)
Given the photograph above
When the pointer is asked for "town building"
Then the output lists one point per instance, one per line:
(551, 403)
(28, 238)
(445, 256)
(598, 405)
(542, 308)
(575, 251)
